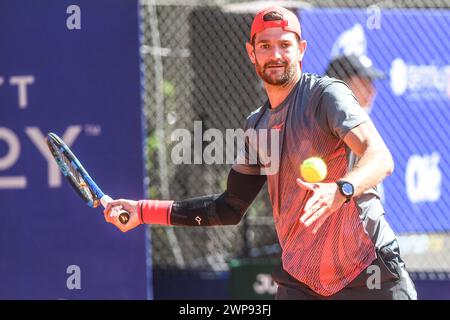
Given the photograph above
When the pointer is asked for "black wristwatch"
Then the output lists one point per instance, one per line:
(346, 189)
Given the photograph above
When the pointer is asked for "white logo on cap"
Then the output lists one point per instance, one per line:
(365, 61)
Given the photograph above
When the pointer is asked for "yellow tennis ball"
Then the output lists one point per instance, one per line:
(313, 169)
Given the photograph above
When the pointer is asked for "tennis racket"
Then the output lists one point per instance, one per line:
(78, 177)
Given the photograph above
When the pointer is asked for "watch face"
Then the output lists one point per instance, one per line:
(347, 188)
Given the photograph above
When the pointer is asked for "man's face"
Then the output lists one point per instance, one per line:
(363, 89)
(276, 54)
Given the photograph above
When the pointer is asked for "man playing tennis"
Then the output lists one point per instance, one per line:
(336, 243)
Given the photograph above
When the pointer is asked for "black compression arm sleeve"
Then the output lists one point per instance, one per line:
(225, 209)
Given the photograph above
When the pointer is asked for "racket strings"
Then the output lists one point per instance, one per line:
(78, 179)
(70, 171)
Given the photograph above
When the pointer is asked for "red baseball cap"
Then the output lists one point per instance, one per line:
(289, 23)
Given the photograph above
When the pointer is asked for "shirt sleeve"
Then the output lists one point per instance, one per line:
(339, 111)
(225, 209)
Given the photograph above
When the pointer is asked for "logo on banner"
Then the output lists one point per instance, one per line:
(420, 81)
(21, 82)
(423, 178)
(11, 146)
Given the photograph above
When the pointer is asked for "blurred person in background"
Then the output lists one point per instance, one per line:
(359, 74)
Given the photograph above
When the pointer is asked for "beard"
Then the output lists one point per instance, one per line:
(274, 77)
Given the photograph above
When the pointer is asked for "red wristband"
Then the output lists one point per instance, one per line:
(155, 211)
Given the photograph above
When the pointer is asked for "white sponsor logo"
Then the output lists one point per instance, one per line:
(13, 152)
(426, 81)
(21, 82)
(423, 178)
(11, 145)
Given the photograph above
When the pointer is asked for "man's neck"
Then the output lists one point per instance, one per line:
(277, 94)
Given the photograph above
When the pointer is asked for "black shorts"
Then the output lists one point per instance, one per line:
(393, 282)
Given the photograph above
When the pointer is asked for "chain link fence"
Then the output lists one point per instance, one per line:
(196, 69)
(193, 74)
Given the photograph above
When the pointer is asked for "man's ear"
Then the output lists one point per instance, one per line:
(250, 52)
(301, 48)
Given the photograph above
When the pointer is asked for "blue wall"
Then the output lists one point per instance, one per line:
(83, 84)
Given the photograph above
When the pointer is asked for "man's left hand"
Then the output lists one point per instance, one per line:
(325, 200)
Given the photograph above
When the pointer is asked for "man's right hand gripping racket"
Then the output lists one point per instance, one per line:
(79, 178)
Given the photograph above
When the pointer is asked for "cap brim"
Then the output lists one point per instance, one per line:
(372, 73)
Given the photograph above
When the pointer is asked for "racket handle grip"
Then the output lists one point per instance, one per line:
(124, 216)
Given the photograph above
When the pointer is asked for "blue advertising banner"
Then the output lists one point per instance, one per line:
(70, 67)
(412, 106)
